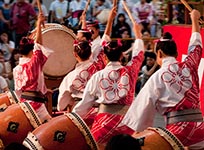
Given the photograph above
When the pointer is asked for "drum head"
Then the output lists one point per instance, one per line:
(60, 39)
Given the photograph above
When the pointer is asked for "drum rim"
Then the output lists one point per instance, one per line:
(84, 129)
(31, 114)
(168, 136)
(57, 27)
(12, 97)
(32, 142)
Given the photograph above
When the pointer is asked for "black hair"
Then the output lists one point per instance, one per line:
(93, 24)
(151, 55)
(83, 50)
(26, 45)
(87, 35)
(15, 146)
(121, 15)
(123, 142)
(167, 45)
(113, 50)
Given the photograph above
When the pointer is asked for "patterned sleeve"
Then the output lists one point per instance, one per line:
(40, 55)
(194, 50)
(141, 113)
(88, 99)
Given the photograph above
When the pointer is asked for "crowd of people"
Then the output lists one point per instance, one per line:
(117, 85)
(18, 19)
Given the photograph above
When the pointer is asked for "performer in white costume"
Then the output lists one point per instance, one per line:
(113, 87)
(173, 91)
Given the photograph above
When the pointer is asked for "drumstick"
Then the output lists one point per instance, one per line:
(114, 3)
(40, 9)
(128, 11)
(85, 10)
(87, 5)
(39, 6)
(190, 9)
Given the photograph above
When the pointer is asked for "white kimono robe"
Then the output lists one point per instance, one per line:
(173, 87)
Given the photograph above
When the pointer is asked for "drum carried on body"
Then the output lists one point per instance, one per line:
(158, 139)
(65, 132)
(60, 39)
(7, 98)
(16, 121)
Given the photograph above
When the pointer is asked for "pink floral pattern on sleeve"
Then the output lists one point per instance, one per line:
(81, 80)
(178, 78)
(116, 86)
(21, 77)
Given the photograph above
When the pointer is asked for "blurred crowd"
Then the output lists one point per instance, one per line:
(18, 19)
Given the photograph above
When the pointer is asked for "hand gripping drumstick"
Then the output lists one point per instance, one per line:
(190, 9)
(85, 10)
(128, 11)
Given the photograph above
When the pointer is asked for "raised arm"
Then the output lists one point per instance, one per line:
(40, 22)
(83, 20)
(195, 37)
(110, 21)
(195, 15)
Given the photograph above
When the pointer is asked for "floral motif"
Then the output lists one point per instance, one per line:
(178, 78)
(116, 86)
(20, 78)
(81, 80)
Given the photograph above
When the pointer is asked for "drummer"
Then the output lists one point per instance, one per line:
(173, 91)
(28, 75)
(113, 87)
(72, 87)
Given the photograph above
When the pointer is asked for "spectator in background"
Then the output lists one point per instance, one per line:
(75, 11)
(6, 45)
(3, 85)
(149, 68)
(143, 14)
(44, 10)
(21, 14)
(100, 12)
(59, 11)
(120, 26)
(5, 15)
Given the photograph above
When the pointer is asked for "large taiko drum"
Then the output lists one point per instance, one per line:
(60, 39)
(16, 121)
(64, 132)
(7, 98)
(158, 139)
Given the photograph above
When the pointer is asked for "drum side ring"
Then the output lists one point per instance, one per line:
(83, 129)
(34, 119)
(169, 137)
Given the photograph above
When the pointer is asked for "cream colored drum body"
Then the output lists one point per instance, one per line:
(60, 39)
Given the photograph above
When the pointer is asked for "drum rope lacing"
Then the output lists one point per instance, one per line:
(84, 129)
(34, 120)
(12, 97)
